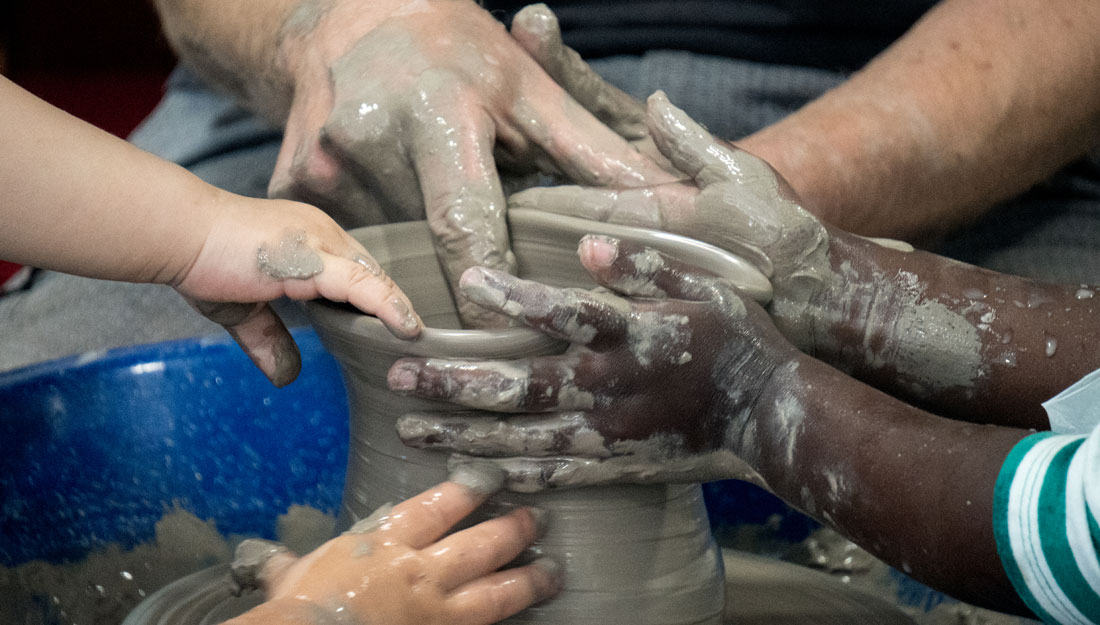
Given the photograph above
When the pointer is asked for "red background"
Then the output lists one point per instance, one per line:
(102, 60)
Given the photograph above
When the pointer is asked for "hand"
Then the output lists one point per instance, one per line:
(398, 568)
(259, 250)
(410, 114)
(734, 201)
(659, 388)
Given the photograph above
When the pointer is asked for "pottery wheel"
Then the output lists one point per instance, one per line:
(759, 591)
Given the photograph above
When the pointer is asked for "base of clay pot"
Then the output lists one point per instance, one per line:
(759, 591)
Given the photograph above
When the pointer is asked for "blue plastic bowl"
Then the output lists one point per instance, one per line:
(97, 447)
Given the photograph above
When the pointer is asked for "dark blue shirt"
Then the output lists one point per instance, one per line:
(831, 34)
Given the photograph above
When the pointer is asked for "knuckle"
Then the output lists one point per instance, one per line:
(357, 125)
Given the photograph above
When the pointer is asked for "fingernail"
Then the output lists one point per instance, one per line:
(472, 277)
(482, 477)
(413, 429)
(409, 320)
(657, 97)
(552, 568)
(542, 518)
(600, 250)
(480, 287)
(402, 377)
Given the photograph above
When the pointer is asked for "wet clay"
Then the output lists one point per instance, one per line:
(290, 258)
(638, 554)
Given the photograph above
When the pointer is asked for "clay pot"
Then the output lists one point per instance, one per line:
(637, 554)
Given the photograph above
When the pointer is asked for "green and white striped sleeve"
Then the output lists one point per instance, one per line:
(1045, 509)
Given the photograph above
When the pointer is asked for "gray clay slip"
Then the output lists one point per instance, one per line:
(290, 258)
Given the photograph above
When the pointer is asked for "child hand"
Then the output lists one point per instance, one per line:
(259, 250)
(395, 568)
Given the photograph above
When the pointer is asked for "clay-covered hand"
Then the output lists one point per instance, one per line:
(260, 250)
(397, 567)
(407, 110)
(656, 388)
(734, 201)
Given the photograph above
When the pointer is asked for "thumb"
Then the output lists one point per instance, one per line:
(694, 151)
(536, 30)
(258, 564)
(260, 333)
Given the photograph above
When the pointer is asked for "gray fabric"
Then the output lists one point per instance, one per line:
(1052, 233)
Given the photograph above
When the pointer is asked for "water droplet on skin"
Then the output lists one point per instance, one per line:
(1052, 346)
(1006, 338)
(973, 294)
(1008, 359)
(1084, 294)
(127, 576)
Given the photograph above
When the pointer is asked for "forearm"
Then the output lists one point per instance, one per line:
(235, 46)
(79, 200)
(914, 489)
(256, 49)
(961, 341)
(979, 101)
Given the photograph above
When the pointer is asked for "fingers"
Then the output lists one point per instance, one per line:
(536, 29)
(532, 475)
(577, 144)
(421, 520)
(575, 315)
(663, 207)
(260, 333)
(538, 385)
(361, 282)
(453, 157)
(484, 548)
(568, 433)
(693, 150)
(500, 595)
(633, 269)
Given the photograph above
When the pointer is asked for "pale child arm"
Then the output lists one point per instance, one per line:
(78, 200)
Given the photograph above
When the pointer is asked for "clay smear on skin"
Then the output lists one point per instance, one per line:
(290, 258)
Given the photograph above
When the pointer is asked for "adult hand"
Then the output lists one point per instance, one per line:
(398, 568)
(660, 388)
(407, 111)
(733, 200)
(259, 250)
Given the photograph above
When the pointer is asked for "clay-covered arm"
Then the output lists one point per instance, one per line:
(690, 381)
(251, 49)
(913, 488)
(961, 341)
(979, 101)
(78, 200)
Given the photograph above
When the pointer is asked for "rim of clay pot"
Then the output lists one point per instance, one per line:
(357, 330)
